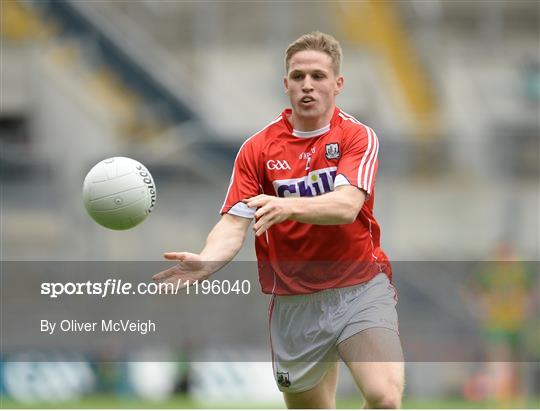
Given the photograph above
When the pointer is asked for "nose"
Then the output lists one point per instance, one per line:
(307, 85)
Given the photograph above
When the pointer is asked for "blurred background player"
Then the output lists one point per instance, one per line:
(503, 289)
(308, 180)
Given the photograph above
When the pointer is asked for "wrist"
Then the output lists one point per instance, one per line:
(294, 207)
(208, 268)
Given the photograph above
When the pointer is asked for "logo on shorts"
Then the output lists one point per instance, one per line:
(332, 151)
(283, 379)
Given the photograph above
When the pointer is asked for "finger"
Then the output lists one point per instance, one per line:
(261, 230)
(269, 220)
(163, 274)
(262, 211)
(172, 286)
(268, 214)
(174, 256)
(247, 200)
(260, 222)
(262, 225)
(259, 201)
(166, 287)
(162, 288)
(255, 203)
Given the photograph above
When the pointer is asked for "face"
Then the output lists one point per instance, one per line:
(312, 87)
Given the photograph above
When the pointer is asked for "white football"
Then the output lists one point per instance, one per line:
(119, 193)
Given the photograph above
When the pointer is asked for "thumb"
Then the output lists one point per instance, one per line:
(174, 256)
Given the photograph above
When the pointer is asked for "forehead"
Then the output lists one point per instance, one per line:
(310, 60)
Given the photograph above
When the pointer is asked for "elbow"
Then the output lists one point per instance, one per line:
(351, 201)
(235, 242)
(350, 214)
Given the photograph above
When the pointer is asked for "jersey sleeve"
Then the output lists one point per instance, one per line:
(358, 163)
(244, 182)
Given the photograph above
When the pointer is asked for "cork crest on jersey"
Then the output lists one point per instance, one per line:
(332, 151)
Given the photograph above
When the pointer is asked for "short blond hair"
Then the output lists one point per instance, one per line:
(319, 42)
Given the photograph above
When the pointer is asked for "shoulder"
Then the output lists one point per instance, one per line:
(355, 130)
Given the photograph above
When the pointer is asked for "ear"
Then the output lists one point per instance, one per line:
(286, 84)
(340, 81)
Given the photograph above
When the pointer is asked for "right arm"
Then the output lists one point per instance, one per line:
(227, 236)
(222, 244)
(225, 240)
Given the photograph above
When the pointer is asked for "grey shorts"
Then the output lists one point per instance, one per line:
(306, 329)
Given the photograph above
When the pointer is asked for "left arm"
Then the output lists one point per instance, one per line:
(340, 206)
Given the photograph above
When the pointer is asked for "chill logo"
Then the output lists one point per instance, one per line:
(317, 182)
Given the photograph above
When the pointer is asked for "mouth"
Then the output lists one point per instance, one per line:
(307, 100)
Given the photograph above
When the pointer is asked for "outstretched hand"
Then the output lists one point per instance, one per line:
(189, 269)
(271, 210)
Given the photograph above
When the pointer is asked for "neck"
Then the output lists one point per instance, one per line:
(302, 123)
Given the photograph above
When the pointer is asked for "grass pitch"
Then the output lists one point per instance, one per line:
(184, 402)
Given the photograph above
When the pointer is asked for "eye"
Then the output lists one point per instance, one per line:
(319, 76)
(297, 76)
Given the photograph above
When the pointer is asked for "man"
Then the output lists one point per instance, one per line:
(500, 289)
(308, 178)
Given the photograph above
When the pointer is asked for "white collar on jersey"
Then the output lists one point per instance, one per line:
(309, 134)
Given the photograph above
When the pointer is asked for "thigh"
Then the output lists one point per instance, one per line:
(323, 395)
(303, 338)
(375, 359)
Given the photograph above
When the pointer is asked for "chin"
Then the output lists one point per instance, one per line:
(308, 113)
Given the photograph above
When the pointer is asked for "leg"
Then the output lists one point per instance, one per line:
(375, 360)
(323, 395)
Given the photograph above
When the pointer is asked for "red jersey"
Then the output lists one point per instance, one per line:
(298, 258)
